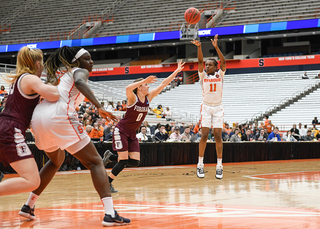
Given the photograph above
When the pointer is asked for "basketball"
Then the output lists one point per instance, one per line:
(192, 15)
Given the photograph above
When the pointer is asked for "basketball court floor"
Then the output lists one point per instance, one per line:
(268, 194)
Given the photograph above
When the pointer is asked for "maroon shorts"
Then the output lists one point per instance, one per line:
(125, 139)
(12, 142)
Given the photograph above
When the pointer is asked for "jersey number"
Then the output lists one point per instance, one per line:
(139, 117)
(214, 87)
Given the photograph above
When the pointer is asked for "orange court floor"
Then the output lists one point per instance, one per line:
(266, 194)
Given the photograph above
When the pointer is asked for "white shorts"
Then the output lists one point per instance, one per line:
(212, 116)
(52, 132)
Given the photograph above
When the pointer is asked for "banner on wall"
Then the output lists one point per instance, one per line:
(193, 66)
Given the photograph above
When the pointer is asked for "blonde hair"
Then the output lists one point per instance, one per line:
(136, 89)
(26, 63)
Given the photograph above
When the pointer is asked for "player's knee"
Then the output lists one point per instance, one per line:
(119, 167)
(133, 163)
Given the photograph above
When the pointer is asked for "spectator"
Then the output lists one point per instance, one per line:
(266, 121)
(225, 135)
(89, 129)
(124, 105)
(107, 130)
(83, 107)
(142, 136)
(168, 129)
(211, 135)
(290, 137)
(96, 132)
(303, 131)
(247, 136)
(314, 130)
(315, 121)
(235, 137)
(308, 137)
(110, 107)
(162, 135)
(146, 124)
(261, 125)
(294, 132)
(186, 136)
(102, 123)
(95, 115)
(3, 104)
(228, 130)
(157, 129)
(176, 134)
(262, 136)
(119, 107)
(2, 90)
(108, 136)
(196, 128)
(270, 127)
(305, 76)
(274, 135)
(167, 114)
(199, 135)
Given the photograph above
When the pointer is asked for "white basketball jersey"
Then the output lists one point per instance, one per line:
(212, 86)
(70, 96)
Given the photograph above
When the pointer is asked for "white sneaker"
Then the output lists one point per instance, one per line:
(200, 171)
(219, 171)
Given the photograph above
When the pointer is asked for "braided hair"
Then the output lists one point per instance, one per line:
(61, 60)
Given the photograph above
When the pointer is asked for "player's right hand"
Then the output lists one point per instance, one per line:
(196, 43)
(107, 115)
(151, 79)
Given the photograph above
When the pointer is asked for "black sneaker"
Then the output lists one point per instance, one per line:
(106, 157)
(27, 212)
(108, 221)
(1, 176)
(112, 189)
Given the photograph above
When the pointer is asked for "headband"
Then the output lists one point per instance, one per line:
(79, 54)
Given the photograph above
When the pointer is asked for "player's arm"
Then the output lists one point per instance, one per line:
(166, 81)
(129, 89)
(200, 54)
(221, 57)
(32, 84)
(80, 80)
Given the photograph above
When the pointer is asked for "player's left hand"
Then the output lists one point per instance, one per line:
(180, 66)
(215, 41)
(107, 115)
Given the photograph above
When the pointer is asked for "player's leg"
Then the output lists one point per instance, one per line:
(91, 159)
(202, 148)
(219, 148)
(46, 174)
(217, 123)
(118, 167)
(29, 178)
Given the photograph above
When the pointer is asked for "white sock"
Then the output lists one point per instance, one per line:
(108, 206)
(219, 160)
(32, 200)
(200, 162)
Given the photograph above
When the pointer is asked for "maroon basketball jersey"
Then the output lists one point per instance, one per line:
(19, 106)
(135, 114)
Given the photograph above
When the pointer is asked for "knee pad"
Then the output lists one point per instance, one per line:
(133, 163)
(119, 167)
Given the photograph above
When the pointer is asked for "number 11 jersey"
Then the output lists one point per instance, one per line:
(212, 86)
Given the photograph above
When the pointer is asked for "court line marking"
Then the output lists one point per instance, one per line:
(267, 174)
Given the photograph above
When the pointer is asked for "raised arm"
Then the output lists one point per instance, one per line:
(31, 84)
(200, 54)
(165, 82)
(80, 80)
(129, 89)
(221, 57)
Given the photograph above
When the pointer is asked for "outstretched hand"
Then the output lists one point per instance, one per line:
(196, 43)
(215, 41)
(180, 66)
(107, 115)
(151, 79)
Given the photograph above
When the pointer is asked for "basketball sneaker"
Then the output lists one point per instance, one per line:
(219, 171)
(106, 157)
(200, 171)
(112, 190)
(27, 212)
(1, 176)
(109, 221)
